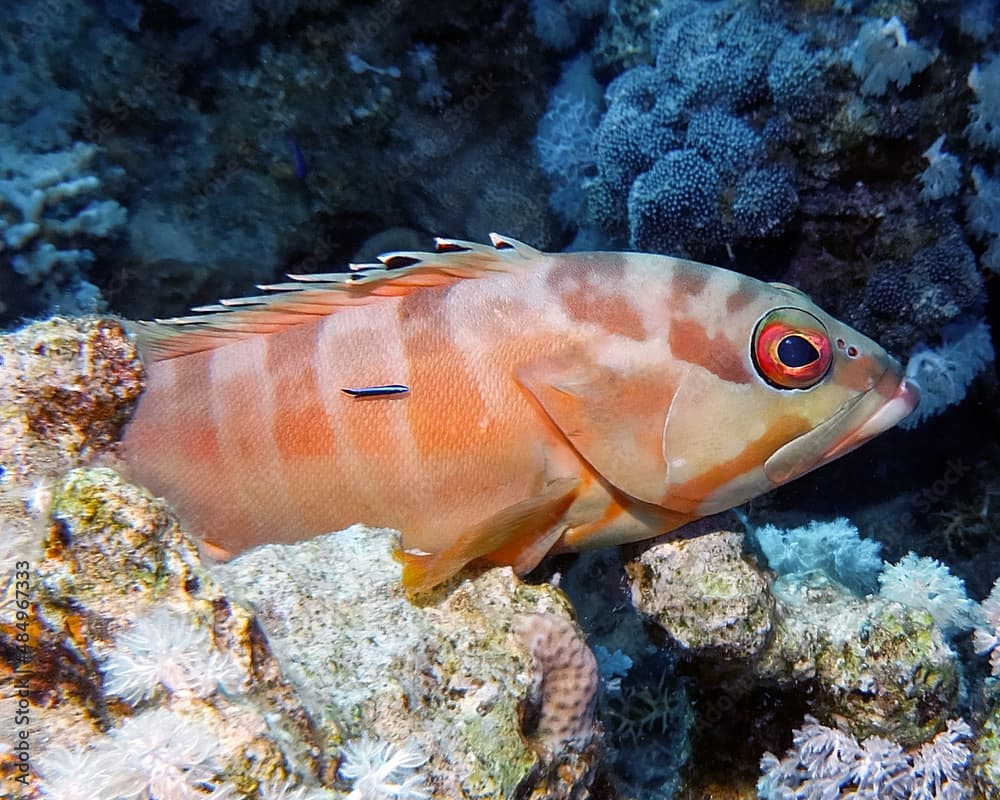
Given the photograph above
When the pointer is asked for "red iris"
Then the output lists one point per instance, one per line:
(791, 350)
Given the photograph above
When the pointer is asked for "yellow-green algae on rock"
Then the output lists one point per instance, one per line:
(67, 386)
(882, 668)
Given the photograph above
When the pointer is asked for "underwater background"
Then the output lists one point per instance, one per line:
(839, 637)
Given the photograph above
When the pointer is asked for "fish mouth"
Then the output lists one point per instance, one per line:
(898, 407)
(891, 399)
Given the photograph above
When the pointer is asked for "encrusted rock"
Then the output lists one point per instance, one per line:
(882, 667)
(127, 635)
(66, 389)
(986, 760)
(451, 676)
(705, 595)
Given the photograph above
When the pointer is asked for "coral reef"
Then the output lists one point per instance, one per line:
(569, 678)
(945, 372)
(46, 207)
(834, 548)
(111, 552)
(66, 389)
(827, 762)
(149, 675)
(679, 165)
(160, 155)
(883, 54)
(886, 669)
(451, 676)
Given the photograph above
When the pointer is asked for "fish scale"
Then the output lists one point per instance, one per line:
(548, 402)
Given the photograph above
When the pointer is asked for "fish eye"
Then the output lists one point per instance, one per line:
(791, 349)
(796, 351)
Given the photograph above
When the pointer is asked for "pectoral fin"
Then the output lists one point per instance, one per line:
(519, 535)
(614, 418)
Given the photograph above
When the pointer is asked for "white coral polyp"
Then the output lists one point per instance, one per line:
(383, 771)
(163, 648)
(158, 754)
(166, 755)
(927, 584)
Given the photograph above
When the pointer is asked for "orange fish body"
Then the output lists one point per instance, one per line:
(555, 401)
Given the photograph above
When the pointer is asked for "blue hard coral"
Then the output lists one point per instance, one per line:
(682, 139)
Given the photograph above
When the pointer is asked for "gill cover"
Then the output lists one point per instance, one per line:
(613, 417)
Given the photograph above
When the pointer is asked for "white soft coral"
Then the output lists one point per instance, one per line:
(883, 54)
(382, 771)
(927, 584)
(158, 754)
(984, 128)
(164, 648)
(986, 637)
(943, 175)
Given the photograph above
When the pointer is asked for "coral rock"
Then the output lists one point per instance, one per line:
(451, 676)
(881, 666)
(707, 597)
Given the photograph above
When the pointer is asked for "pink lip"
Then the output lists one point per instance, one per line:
(898, 406)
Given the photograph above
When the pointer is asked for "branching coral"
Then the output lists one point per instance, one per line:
(829, 764)
(986, 637)
(47, 205)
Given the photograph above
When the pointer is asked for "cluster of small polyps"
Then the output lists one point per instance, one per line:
(830, 764)
(165, 649)
(382, 770)
(158, 754)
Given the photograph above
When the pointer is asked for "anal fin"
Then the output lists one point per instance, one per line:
(514, 535)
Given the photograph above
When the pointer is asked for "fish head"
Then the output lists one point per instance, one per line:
(810, 389)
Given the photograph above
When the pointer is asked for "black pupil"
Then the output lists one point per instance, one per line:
(796, 351)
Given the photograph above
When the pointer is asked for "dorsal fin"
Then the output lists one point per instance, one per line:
(307, 297)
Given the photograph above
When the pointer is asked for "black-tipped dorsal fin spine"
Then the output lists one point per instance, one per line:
(306, 297)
